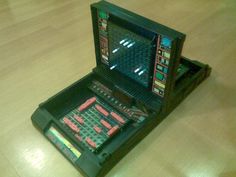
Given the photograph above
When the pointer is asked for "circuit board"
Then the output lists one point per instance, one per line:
(94, 122)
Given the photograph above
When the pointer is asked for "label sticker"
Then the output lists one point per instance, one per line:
(63, 144)
(160, 84)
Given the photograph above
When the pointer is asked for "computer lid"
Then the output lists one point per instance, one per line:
(142, 50)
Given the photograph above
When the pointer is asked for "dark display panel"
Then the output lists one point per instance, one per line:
(130, 53)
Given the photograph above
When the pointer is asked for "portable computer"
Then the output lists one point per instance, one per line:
(139, 78)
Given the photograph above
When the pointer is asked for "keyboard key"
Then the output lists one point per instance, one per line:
(113, 131)
(71, 125)
(106, 124)
(101, 110)
(88, 103)
(97, 129)
(91, 143)
(79, 119)
(117, 117)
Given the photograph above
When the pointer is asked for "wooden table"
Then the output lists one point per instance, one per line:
(46, 45)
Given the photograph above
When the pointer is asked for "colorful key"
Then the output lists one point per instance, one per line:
(78, 137)
(105, 124)
(71, 125)
(101, 110)
(113, 131)
(79, 119)
(88, 103)
(91, 143)
(97, 129)
(117, 117)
